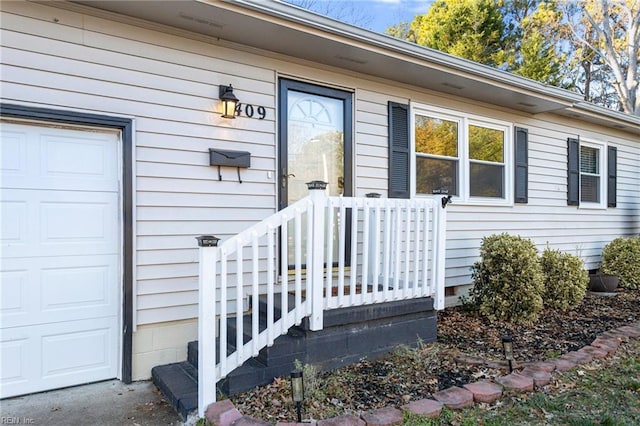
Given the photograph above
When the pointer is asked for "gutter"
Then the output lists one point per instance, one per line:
(592, 110)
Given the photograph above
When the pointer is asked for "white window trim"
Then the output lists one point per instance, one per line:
(464, 120)
(602, 149)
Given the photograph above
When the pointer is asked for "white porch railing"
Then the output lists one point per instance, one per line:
(317, 254)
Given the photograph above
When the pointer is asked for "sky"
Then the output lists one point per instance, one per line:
(391, 12)
(376, 15)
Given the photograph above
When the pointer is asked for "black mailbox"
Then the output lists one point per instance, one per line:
(223, 157)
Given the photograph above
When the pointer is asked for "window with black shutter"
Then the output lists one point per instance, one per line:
(591, 174)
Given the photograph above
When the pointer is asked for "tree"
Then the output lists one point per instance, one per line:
(534, 39)
(471, 29)
(401, 31)
(590, 46)
(607, 37)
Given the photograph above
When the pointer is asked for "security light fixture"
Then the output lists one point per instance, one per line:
(297, 391)
(507, 348)
(229, 101)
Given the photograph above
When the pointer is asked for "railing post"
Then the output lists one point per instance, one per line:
(372, 237)
(440, 210)
(207, 322)
(319, 200)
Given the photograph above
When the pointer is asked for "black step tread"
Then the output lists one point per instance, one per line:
(277, 304)
(192, 351)
(179, 383)
(246, 327)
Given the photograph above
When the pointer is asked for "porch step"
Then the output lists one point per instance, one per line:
(285, 350)
(271, 362)
(349, 335)
(179, 383)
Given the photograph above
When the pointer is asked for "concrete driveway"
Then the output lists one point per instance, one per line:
(104, 403)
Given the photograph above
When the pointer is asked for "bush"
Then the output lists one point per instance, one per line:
(621, 257)
(508, 280)
(566, 280)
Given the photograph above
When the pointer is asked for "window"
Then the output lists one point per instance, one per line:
(436, 145)
(589, 176)
(461, 155)
(486, 162)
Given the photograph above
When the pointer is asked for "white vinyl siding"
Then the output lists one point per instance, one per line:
(169, 84)
(371, 148)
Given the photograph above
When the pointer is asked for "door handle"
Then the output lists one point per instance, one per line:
(285, 178)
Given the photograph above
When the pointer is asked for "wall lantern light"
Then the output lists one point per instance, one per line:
(207, 241)
(507, 348)
(229, 101)
(297, 391)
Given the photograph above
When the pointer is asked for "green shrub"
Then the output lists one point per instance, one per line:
(508, 280)
(566, 280)
(621, 257)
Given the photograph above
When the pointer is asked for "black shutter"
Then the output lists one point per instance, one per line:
(398, 151)
(573, 172)
(612, 173)
(521, 183)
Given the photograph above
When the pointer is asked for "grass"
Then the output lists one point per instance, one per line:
(606, 394)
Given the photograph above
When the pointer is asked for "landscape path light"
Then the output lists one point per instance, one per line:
(507, 348)
(297, 391)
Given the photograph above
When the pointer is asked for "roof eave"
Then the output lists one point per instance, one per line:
(311, 37)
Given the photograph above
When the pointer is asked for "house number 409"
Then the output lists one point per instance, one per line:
(251, 111)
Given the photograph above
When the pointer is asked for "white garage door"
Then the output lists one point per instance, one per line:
(60, 259)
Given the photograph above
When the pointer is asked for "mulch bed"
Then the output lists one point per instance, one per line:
(412, 374)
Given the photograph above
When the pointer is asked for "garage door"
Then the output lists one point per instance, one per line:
(60, 257)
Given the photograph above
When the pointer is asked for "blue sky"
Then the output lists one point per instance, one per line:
(376, 15)
(390, 12)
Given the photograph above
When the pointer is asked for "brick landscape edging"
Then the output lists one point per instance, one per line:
(535, 374)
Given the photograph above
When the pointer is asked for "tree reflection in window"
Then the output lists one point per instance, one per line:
(437, 155)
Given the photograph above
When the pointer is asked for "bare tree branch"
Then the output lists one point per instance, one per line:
(622, 61)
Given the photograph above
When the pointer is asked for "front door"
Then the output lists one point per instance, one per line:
(316, 140)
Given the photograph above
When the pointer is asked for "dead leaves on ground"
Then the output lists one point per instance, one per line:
(412, 374)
